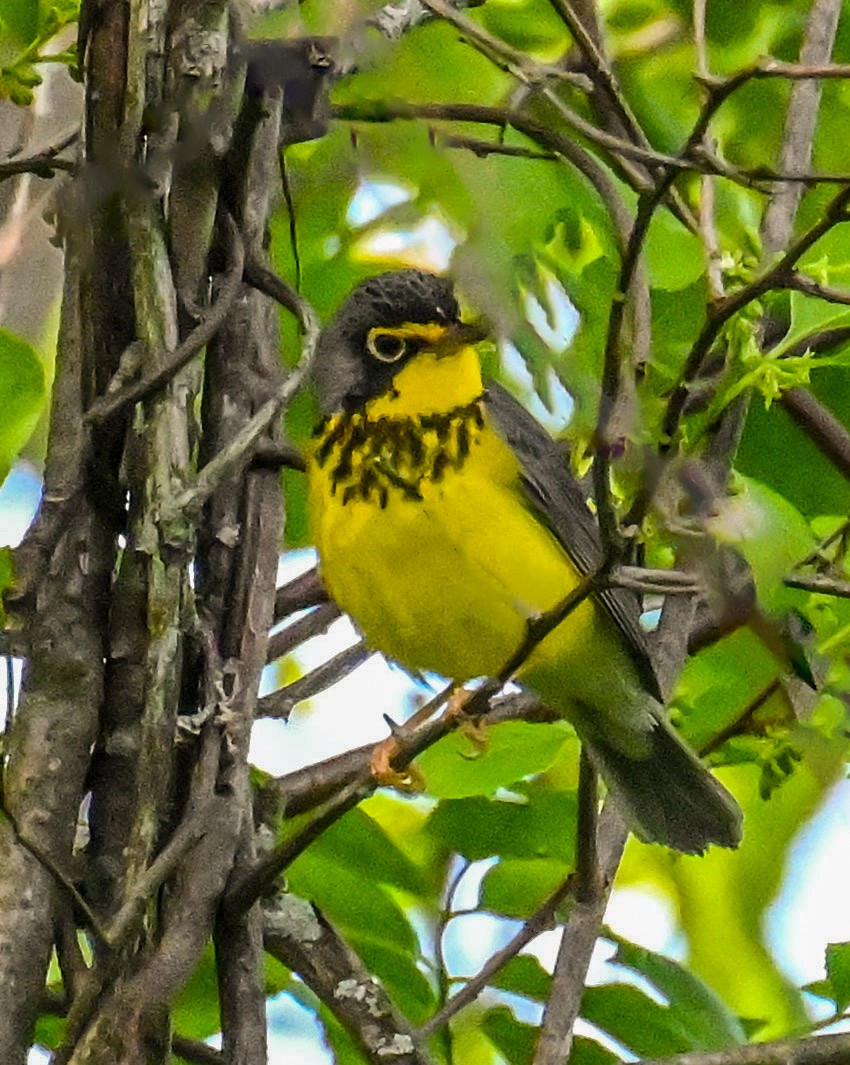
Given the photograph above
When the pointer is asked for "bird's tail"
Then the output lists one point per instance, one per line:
(669, 796)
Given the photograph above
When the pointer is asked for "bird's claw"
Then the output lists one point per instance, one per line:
(386, 775)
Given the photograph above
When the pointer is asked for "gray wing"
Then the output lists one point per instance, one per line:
(556, 496)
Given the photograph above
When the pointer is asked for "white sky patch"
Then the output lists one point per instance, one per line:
(557, 328)
(372, 199)
(811, 909)
(428, 245)
(295, 1034)
(470, 939)
(516, 372)
(19, 497)
(645, 918)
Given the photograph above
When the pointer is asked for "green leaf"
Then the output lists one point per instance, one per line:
(524, 975)
(820, 989)
(399, 972)
(675, 256)
(580, 254)
(356, 904)
(775, 451)
(22, 395)
(196, 1009)
(49, 1031)
(478, 827)
(710, 1023)
(196, 1013)
(634, 1019)
(588, 1052)
(456, 767)
(514, 1040)
(359, 843)
(367, 914)
(838, 971)
(21, 18)
(517, 887)
(770, 533)
(530, 26)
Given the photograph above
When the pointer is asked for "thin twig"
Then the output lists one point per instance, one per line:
(819, 1050)
(447, 913)
(819, 342)
(821, 426)
(483, 148)
(500, 52)
(695, 161)
(170, 363)
(268, 282)
(820, 585)
(741, 725)
(603, 75)
(59, 875)
(580, 935)
(707, 222)
(809, 287)
(541, 921)
(281, 703)
(306, 789)
(313, 624)
(44, 163)
(725, 309)
(800, 124)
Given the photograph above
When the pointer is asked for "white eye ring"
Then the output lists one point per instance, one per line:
(388, 347)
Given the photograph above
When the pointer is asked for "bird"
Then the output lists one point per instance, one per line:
(446, 520)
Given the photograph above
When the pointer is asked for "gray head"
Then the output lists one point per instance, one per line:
(350, 365)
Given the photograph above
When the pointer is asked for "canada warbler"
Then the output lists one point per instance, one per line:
(445, 519)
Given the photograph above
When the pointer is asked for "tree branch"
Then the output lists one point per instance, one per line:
(500, 52)
(820, 585)
(580, 935)
(773, 277)
(539, 922)
(115, 402)
(819, 1050)
(821, 426)
(809, 287)
(299, 936)
(315, 623)
(800, 123)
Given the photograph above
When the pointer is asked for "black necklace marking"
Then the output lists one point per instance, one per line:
(374, 457)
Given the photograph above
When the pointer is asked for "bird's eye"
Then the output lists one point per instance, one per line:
(388, 347)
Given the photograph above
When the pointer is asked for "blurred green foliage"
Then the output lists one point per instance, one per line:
(28, 29)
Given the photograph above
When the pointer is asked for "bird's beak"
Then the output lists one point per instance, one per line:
(460, 335)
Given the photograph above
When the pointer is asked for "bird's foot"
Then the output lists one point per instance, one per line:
(386, 775)
(471, 725)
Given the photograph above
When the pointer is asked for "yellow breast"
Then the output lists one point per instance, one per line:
(425, 539)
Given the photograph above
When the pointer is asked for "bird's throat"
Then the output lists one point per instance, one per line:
(414, 434)
(431, 384)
